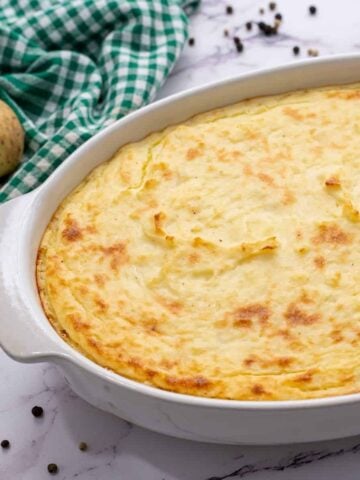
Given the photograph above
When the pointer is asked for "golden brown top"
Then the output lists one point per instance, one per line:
(220, 257)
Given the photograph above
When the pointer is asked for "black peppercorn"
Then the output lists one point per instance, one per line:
(239, 47)
(312, 10)
(191, 42)
(5, 444)
(261, 11)
(278, 16)
(226, 33)
(296, 50)
(272, 5)
(83, 446)
(267, 29)
(229, 10)
(248, 26)
(37, 411)
(52, 468)
(237, 40)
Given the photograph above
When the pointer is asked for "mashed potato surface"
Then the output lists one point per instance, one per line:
(220, 257)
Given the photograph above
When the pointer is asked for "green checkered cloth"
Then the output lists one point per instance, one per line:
(70, 67)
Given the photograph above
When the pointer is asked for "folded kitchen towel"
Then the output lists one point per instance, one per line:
(70, 67)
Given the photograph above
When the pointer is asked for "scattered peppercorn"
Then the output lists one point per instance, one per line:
(312, 52)
(272, 30)
(37, 411)
(229, 10)
(296, 50)
(236, 40)
(83, 446)
(5, 444)
(248, 26)
(239, 47)
(52, 468)
(261, 11)
(312, 10)
(191, 42)
(272, 5)
(226, 33)
(267, 29)
(278, 16)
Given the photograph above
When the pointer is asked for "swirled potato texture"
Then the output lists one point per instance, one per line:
(220, 257)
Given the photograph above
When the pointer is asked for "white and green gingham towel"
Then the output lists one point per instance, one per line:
(71, 67)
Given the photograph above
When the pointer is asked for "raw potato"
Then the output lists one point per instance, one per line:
(11, 140)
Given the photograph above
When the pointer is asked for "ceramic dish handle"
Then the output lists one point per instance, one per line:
(20, 338)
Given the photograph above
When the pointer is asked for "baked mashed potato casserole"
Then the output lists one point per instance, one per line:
(220, 257)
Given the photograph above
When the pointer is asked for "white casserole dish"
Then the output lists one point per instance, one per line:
(27, 336)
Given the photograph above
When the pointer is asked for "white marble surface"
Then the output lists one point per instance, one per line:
(117, 450)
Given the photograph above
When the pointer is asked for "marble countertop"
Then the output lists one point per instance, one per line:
(118, 450)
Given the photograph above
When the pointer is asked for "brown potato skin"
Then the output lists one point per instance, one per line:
(11, 140)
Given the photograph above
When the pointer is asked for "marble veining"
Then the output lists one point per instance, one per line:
(298, 460)
(118, 450)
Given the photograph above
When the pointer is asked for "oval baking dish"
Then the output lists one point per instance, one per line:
(26, 334)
